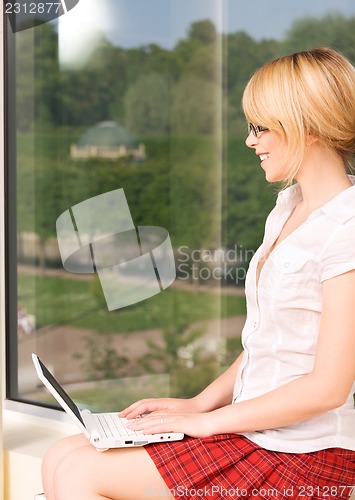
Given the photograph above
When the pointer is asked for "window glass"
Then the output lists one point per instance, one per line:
(134, 205)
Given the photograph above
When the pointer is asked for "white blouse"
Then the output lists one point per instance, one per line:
(283, 316)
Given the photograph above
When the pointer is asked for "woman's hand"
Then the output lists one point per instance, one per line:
(166, 405)
(196, 425)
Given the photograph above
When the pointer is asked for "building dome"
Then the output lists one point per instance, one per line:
(109, 140)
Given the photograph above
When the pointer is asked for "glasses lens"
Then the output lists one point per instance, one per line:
(251, 128)
(256, 129)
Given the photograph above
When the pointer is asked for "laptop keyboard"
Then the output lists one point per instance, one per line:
(114, 426)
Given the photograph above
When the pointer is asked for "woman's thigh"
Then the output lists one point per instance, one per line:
(54, 455)
(127, 473)
(59, 450)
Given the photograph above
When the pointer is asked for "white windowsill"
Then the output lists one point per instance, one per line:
(28, 431)
(31, 429)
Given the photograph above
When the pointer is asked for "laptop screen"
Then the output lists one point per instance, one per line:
(59, 389)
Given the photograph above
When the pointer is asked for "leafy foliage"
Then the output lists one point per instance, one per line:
(173, 101)
(198, 180)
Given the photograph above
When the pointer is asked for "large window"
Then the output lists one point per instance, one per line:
(126, 114)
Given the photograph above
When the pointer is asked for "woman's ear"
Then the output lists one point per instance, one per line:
(311, 139)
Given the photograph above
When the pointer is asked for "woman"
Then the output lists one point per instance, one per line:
(280, 422)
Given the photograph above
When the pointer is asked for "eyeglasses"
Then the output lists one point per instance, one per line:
(256, 129)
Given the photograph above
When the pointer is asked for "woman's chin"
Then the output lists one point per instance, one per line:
(275, 176)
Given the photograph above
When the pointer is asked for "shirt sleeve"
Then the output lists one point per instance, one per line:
(338, 257)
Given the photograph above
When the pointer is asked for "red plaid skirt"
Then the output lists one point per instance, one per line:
(233, 467)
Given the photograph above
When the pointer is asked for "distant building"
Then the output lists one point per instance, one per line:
(107, 140)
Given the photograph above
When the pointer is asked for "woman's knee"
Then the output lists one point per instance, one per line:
(57, 452)
(86, 474)
(62, 472)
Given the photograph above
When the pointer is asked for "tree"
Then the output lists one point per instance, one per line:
(187, 376)
(333, 30)
(101, 361)
(195, 107)
(203, 32)
(248, 199)
(147, 105)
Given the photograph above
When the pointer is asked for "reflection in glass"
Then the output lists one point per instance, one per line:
(99, 109)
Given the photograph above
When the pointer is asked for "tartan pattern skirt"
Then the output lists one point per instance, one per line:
(233, 467)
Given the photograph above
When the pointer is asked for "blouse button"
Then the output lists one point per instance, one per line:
(286, 264)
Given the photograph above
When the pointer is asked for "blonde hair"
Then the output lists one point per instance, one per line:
(310, 93)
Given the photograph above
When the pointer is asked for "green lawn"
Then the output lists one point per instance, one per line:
(79, 303)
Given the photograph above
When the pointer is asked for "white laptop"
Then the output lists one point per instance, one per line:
(103, 430)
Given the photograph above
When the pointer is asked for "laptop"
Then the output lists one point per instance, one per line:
(103, 430)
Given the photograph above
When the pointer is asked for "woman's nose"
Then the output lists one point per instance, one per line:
(251, 140)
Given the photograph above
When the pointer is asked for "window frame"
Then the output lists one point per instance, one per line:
(9, 210)
(8, 244)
